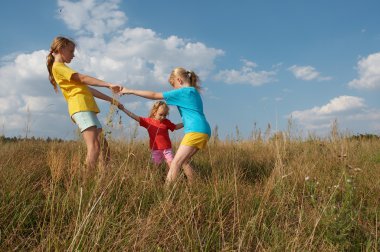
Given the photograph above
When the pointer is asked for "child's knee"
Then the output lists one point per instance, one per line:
(156, 160)
(94, 148)
(157, 157)
(176, 163)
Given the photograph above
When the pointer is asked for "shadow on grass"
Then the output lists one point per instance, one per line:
(253, 171)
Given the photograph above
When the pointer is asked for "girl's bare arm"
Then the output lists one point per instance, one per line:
(130, 114)
(91, 81)
(143, 93)
(102, 96)
(179, 126)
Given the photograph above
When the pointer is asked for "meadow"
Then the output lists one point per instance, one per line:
(275, 194)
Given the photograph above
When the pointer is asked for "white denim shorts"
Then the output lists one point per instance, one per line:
(86, 119)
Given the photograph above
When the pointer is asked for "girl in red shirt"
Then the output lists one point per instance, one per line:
(158, 129)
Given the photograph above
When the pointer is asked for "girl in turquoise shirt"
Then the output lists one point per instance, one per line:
(189, 103)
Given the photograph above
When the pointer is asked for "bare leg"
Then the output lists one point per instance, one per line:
(168, 163)
(189, 172)
(182, 156)
(168, 160)
(90, 137)
(106, 154)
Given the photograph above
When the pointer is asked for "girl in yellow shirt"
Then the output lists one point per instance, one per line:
(79, 96)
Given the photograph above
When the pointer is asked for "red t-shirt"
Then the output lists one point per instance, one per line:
(158, 132)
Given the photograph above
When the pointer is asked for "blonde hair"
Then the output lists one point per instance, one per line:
(156, 106)
(57, 44)
(185, 75)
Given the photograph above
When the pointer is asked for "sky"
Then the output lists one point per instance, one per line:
(294, 65)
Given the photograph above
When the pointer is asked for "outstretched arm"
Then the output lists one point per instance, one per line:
(91, 81)
(129, 113)
(143, 93)
(102, 96)
(178, 126)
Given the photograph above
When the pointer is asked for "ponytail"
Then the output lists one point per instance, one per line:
(189, 76)
(49, 65)
(193, 79)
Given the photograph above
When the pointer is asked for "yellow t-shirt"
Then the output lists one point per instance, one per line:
(77, 95)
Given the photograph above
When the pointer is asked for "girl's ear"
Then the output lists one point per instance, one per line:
(180, 81)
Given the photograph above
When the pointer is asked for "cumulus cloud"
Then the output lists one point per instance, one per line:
(140, 57)
(246, 75)
(38, 104)
(369, 73)
(307, 73)
(131, 56)
(28, 101)
(92, 17)
(348, 110)
(106, 49)
(25, 73)
(133, 105)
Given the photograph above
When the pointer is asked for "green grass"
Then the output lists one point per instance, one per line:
(275, 195)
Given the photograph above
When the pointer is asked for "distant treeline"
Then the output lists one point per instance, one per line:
(39, 139)
(365, 136)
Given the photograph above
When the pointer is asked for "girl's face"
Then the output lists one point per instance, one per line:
(67, 53)
(161, 113)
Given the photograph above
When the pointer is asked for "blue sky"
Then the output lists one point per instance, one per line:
(261, 62)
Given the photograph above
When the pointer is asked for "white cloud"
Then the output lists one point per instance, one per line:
(246, 75)
(92, 16)
(369, 73)
(341, 104)
(348, 110)
(307, 73)
(333, 108)
(277, 99)
(141, 57)
(26, 93)
(37, 104)
(25, 73)
(106, 49)
(131, 56)
(132, 106)
(13, 121)
(7, 104)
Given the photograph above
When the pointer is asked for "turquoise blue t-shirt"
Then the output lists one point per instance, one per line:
(190, 106)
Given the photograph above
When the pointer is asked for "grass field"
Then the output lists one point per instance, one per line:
(250, 195)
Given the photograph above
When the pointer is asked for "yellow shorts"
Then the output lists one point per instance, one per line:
(195, 139)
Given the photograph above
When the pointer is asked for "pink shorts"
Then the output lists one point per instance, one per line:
(159, 155)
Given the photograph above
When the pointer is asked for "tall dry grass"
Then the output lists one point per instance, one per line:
(277, 195)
